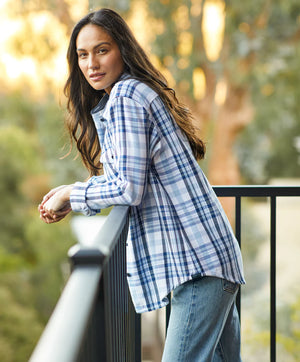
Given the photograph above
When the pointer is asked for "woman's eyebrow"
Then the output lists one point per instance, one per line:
(96, 46)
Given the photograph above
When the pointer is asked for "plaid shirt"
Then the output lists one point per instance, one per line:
(178, 230)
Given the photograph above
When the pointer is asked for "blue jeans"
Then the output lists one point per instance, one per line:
(204, 323)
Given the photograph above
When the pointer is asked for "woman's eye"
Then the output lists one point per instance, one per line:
(81, 55)
(102, 51)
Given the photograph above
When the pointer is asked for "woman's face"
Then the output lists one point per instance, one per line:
(99, 57)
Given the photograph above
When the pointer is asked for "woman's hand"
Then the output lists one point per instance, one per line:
(56, 204)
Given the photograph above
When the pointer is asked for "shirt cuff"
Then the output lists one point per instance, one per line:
(78, 196)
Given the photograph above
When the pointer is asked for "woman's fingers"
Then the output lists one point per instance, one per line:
(51, 216)
(55, 204)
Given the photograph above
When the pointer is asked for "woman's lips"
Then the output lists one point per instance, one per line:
(97, 76)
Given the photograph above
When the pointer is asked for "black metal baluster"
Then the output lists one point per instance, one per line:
(273, 281)
(238, 236)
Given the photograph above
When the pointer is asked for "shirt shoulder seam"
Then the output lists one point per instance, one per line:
(132, 89)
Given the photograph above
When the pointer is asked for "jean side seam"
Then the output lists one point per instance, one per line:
(183, 343)
(222, 351)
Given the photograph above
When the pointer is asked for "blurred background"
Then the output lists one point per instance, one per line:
(236, 65)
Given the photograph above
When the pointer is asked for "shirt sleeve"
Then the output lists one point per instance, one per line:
(127, 125)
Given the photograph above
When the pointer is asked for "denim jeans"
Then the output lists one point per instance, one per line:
(204, 323)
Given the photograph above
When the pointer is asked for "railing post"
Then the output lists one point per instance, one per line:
(93, 346)
(114, 332)
(84, 256)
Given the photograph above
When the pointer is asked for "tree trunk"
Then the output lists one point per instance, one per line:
(233, 117)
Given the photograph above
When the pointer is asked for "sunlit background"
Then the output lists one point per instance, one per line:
(236, 65)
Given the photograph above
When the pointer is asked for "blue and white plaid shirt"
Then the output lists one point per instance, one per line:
(178, 230)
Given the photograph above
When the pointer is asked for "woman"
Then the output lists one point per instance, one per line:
(180, 239)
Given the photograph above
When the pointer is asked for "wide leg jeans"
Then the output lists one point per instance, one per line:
(204, 323)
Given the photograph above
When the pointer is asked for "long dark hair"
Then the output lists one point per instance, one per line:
(82, 97)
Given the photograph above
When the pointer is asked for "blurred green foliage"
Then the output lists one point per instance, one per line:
(271, 44)
(33, 264)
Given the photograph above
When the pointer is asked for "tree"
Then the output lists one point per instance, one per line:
(249, 76)
(197, 55)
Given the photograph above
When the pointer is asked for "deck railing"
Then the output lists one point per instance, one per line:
(94, 319)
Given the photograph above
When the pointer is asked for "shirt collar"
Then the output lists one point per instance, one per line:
(97, 111)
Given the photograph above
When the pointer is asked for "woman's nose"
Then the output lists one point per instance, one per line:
(93, 63)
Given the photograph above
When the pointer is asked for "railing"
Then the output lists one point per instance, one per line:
(94, 319)
(261, 191)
